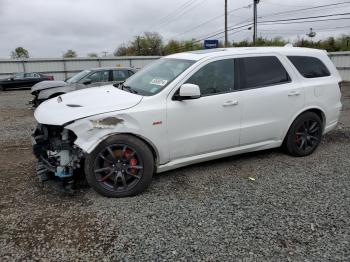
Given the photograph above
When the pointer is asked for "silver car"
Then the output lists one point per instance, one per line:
(85, 79)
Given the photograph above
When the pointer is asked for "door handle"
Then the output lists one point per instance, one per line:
(294, 93)
(230, 103)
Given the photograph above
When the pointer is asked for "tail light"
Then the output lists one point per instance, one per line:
(50, 77)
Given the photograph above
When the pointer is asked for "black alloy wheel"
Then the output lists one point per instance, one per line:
(120, 166)
(304, 135)
(308, 135)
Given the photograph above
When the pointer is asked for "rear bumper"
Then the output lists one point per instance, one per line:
(330, 127)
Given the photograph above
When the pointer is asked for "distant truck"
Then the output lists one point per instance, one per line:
(22, 80)
(85, 79)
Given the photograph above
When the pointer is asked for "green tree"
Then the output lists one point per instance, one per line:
(70, 54)
(19, 52)
(92, 55)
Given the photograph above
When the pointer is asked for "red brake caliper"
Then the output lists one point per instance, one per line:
(132, 161)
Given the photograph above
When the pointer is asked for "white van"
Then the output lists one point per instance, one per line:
(188, 108)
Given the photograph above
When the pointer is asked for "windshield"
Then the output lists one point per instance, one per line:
(155, 77)
(76, 78)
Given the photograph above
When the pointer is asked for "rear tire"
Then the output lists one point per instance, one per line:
(120, 166)
(304, 135)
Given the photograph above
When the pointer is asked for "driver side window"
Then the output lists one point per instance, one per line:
(215, 78)
(99, 76)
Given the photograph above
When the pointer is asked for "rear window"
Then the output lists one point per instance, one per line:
(309, 67)
(263, 71)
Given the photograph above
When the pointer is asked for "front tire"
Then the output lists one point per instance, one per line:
(304, 135)
(120, 166)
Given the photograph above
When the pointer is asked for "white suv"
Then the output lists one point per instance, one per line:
(188, 108)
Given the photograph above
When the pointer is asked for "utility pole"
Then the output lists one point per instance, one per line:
(256, 2)
(226, 40)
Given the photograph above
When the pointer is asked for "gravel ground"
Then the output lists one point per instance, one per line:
(296, 209)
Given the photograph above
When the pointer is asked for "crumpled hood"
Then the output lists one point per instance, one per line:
(83, 103)
(47, 84)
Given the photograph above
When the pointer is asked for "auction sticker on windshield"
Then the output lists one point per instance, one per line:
(159, 82)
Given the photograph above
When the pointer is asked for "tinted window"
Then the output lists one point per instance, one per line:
(309, 67)
(214, 78)
(19, 76)
(262, 71)
(131, 72)
(99, 76)
(119, 75)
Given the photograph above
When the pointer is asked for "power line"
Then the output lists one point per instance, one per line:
(175, 11)
(185, 11)
(302, 18)
(211, 20)
(283, 21)
(305, 9)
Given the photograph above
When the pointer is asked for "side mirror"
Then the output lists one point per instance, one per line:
(188, 91)
(87, 82)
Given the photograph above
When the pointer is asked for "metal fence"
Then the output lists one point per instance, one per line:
(64, 68)
(342, 61)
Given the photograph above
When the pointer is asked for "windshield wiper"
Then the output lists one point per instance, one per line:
(121, 86)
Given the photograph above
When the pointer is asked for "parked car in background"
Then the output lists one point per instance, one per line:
(21, 80)
(188, 108)
(85, 79)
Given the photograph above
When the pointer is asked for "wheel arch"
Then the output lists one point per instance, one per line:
(147, 142)
(315, 109)
(55, 95)
(150, 145)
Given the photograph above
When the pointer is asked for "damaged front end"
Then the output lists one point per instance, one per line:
(58, 158)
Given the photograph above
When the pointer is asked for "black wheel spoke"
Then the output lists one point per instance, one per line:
(106, 177)
(124, 150)
(102, 169)
(131, 155)
(115, 182)
(133, 175)
(302, 144)
(122, 176)
(111, 153)
(106, 159)
(314, 138)
(136, 167)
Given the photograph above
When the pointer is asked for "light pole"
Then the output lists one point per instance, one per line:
(255, 17)
(226, 40)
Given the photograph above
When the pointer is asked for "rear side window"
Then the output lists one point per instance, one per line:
(309, 67)
(262, 71)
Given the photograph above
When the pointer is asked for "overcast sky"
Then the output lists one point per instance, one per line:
(47, 28)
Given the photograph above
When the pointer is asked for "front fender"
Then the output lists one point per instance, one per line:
(92, 131)
(46, 93)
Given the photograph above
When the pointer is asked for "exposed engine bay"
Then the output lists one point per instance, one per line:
(58, 158)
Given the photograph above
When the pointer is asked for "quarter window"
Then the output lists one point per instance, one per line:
(215, 78)
(309, 67)
(262, 71)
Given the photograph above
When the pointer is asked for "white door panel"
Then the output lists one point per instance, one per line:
(203, 125)
(267, 111)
